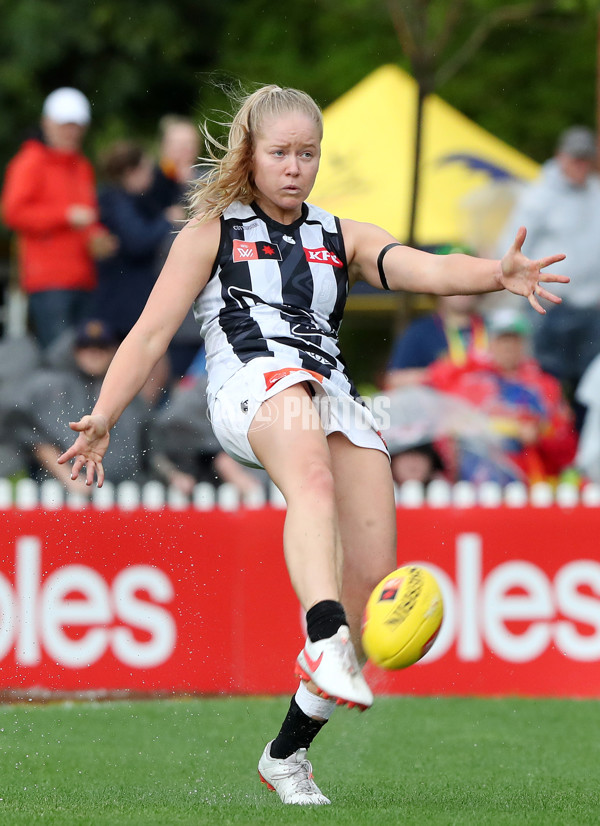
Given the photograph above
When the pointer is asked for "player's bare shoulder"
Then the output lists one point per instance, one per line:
(198, 235)
(194, 250)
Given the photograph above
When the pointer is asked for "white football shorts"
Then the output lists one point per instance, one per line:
(237, 403)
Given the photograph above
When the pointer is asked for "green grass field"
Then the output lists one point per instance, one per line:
(410, 761)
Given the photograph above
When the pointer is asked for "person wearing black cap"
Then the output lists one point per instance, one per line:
(562, 209)
(49, 394)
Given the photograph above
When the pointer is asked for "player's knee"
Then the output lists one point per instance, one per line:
(359, 582)
(318, 482)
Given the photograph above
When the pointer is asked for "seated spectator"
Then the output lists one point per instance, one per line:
(19, 357)
(50, 397)
(455, 330)
(524, 405)
(126, 278)
(184, 448)
(419, 463)
(155, 391)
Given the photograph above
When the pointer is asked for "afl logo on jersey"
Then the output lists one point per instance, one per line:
(323, 256)
(253, 250)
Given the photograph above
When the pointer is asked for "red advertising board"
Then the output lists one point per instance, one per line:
(191, 601)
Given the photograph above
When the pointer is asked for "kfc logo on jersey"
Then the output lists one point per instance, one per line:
(253, 250)
(323, 256)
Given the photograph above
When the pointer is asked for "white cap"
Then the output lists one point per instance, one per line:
(506, 321)
(67, 105)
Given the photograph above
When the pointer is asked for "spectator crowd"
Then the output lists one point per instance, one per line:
(471, 391)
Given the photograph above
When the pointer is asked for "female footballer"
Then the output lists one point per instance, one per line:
(268, 275)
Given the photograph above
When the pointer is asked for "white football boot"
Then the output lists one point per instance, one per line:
(332, 666)
(291, 778)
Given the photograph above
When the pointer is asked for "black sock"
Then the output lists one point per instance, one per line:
(324, 619)
(297, 732)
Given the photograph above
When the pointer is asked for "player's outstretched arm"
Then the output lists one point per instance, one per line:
(386, 264)
(183, 276)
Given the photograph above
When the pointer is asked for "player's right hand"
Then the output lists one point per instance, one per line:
(89, 448)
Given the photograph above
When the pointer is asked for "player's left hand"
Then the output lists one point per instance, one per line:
(523, 276)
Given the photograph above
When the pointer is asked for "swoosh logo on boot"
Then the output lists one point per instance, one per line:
(313, 664)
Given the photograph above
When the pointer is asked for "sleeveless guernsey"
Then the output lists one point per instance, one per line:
(275, 290)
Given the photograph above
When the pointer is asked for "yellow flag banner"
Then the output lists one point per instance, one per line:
(468, 176)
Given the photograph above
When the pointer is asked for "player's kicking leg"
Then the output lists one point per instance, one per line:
(295, 453)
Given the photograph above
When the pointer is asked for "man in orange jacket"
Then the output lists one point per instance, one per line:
(49, 200)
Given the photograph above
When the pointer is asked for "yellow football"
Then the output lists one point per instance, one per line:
(402, 617)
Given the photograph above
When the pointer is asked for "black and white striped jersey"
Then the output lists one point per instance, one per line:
(275, 290)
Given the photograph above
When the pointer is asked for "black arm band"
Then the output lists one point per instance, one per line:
(386, 286)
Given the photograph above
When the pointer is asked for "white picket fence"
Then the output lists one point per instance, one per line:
(51, 495)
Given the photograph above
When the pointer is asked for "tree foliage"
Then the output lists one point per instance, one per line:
(135, 59)
(138, 59)
(440, 39)
(537, 80)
